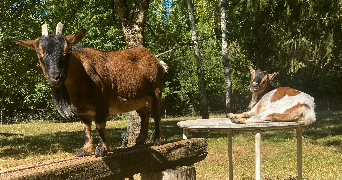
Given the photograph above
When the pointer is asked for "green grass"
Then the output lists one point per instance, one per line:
(322, 147)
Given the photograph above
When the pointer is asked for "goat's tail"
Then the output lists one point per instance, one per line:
(309, 116)
(164, 65)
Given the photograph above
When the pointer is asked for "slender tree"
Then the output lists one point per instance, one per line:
(200, 74)
(133, 18)
(226, 71)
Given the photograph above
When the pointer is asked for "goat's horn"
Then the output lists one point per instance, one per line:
(45, 30)
(59, 28)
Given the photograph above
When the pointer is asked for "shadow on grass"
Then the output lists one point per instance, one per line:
(19, 146)
(10, 134)
(171, 131)
(327, 131)
(327, 124)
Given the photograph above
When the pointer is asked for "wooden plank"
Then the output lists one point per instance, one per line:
(225, 124)
(119, 164)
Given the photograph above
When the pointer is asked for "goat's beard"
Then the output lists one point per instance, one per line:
(61, 99)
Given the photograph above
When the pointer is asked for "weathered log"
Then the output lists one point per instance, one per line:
(181, 173)
(116, 165)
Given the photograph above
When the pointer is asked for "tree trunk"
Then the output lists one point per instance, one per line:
(227, 78)
(200, 74)
(122, 163)
(133, 20)
(180, 173)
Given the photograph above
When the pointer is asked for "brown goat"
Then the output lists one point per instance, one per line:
(87, 82)
(275, 104)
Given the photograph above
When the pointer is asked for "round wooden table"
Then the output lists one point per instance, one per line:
(215, 125)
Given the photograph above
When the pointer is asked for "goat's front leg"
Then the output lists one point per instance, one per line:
(87, 148)
(238, 118)
(103, 146)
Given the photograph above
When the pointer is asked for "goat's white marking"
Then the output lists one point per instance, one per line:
(164, 65)
(280, 106)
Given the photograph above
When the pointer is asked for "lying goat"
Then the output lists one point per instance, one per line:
(270, 104)
(87, 82)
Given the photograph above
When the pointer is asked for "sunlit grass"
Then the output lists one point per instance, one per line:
(322, 147)
(322, 153)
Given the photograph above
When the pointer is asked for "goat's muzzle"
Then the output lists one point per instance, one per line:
(254, 86)
(55, 79)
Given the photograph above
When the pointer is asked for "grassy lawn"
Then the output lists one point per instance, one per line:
(322, 147)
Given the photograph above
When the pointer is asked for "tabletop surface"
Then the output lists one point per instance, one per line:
(225, 124)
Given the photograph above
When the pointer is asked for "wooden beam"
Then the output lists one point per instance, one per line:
(119, 164)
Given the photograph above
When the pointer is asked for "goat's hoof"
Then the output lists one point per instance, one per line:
(231, 115)
(141, 139)
(100, 152)
(82, 152)
(157, 142)
(236, 121)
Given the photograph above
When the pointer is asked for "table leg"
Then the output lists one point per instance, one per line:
(257, 154)
(185, 134)
(230, 154)
(299, 152)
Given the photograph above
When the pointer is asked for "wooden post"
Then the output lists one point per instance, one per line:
(185, 133)
(230, 154)
(299, 152)
(180, 173)
(258, 154)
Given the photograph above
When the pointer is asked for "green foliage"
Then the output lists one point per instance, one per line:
(22, 83)
(300, 39)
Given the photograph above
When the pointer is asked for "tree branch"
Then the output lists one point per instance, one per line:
(184, 43)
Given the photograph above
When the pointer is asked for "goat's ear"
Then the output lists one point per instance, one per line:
(251, 69)
(271, 76)
(27, 43)
(76, 38)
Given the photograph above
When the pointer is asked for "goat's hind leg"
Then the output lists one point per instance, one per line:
(144, 115)
(157, 120)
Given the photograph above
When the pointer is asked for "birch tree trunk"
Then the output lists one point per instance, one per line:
(133, 18)
(226, 71)
(200, 74)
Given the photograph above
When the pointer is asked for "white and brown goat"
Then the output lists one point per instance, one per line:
(275, 104)
(87, 82)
